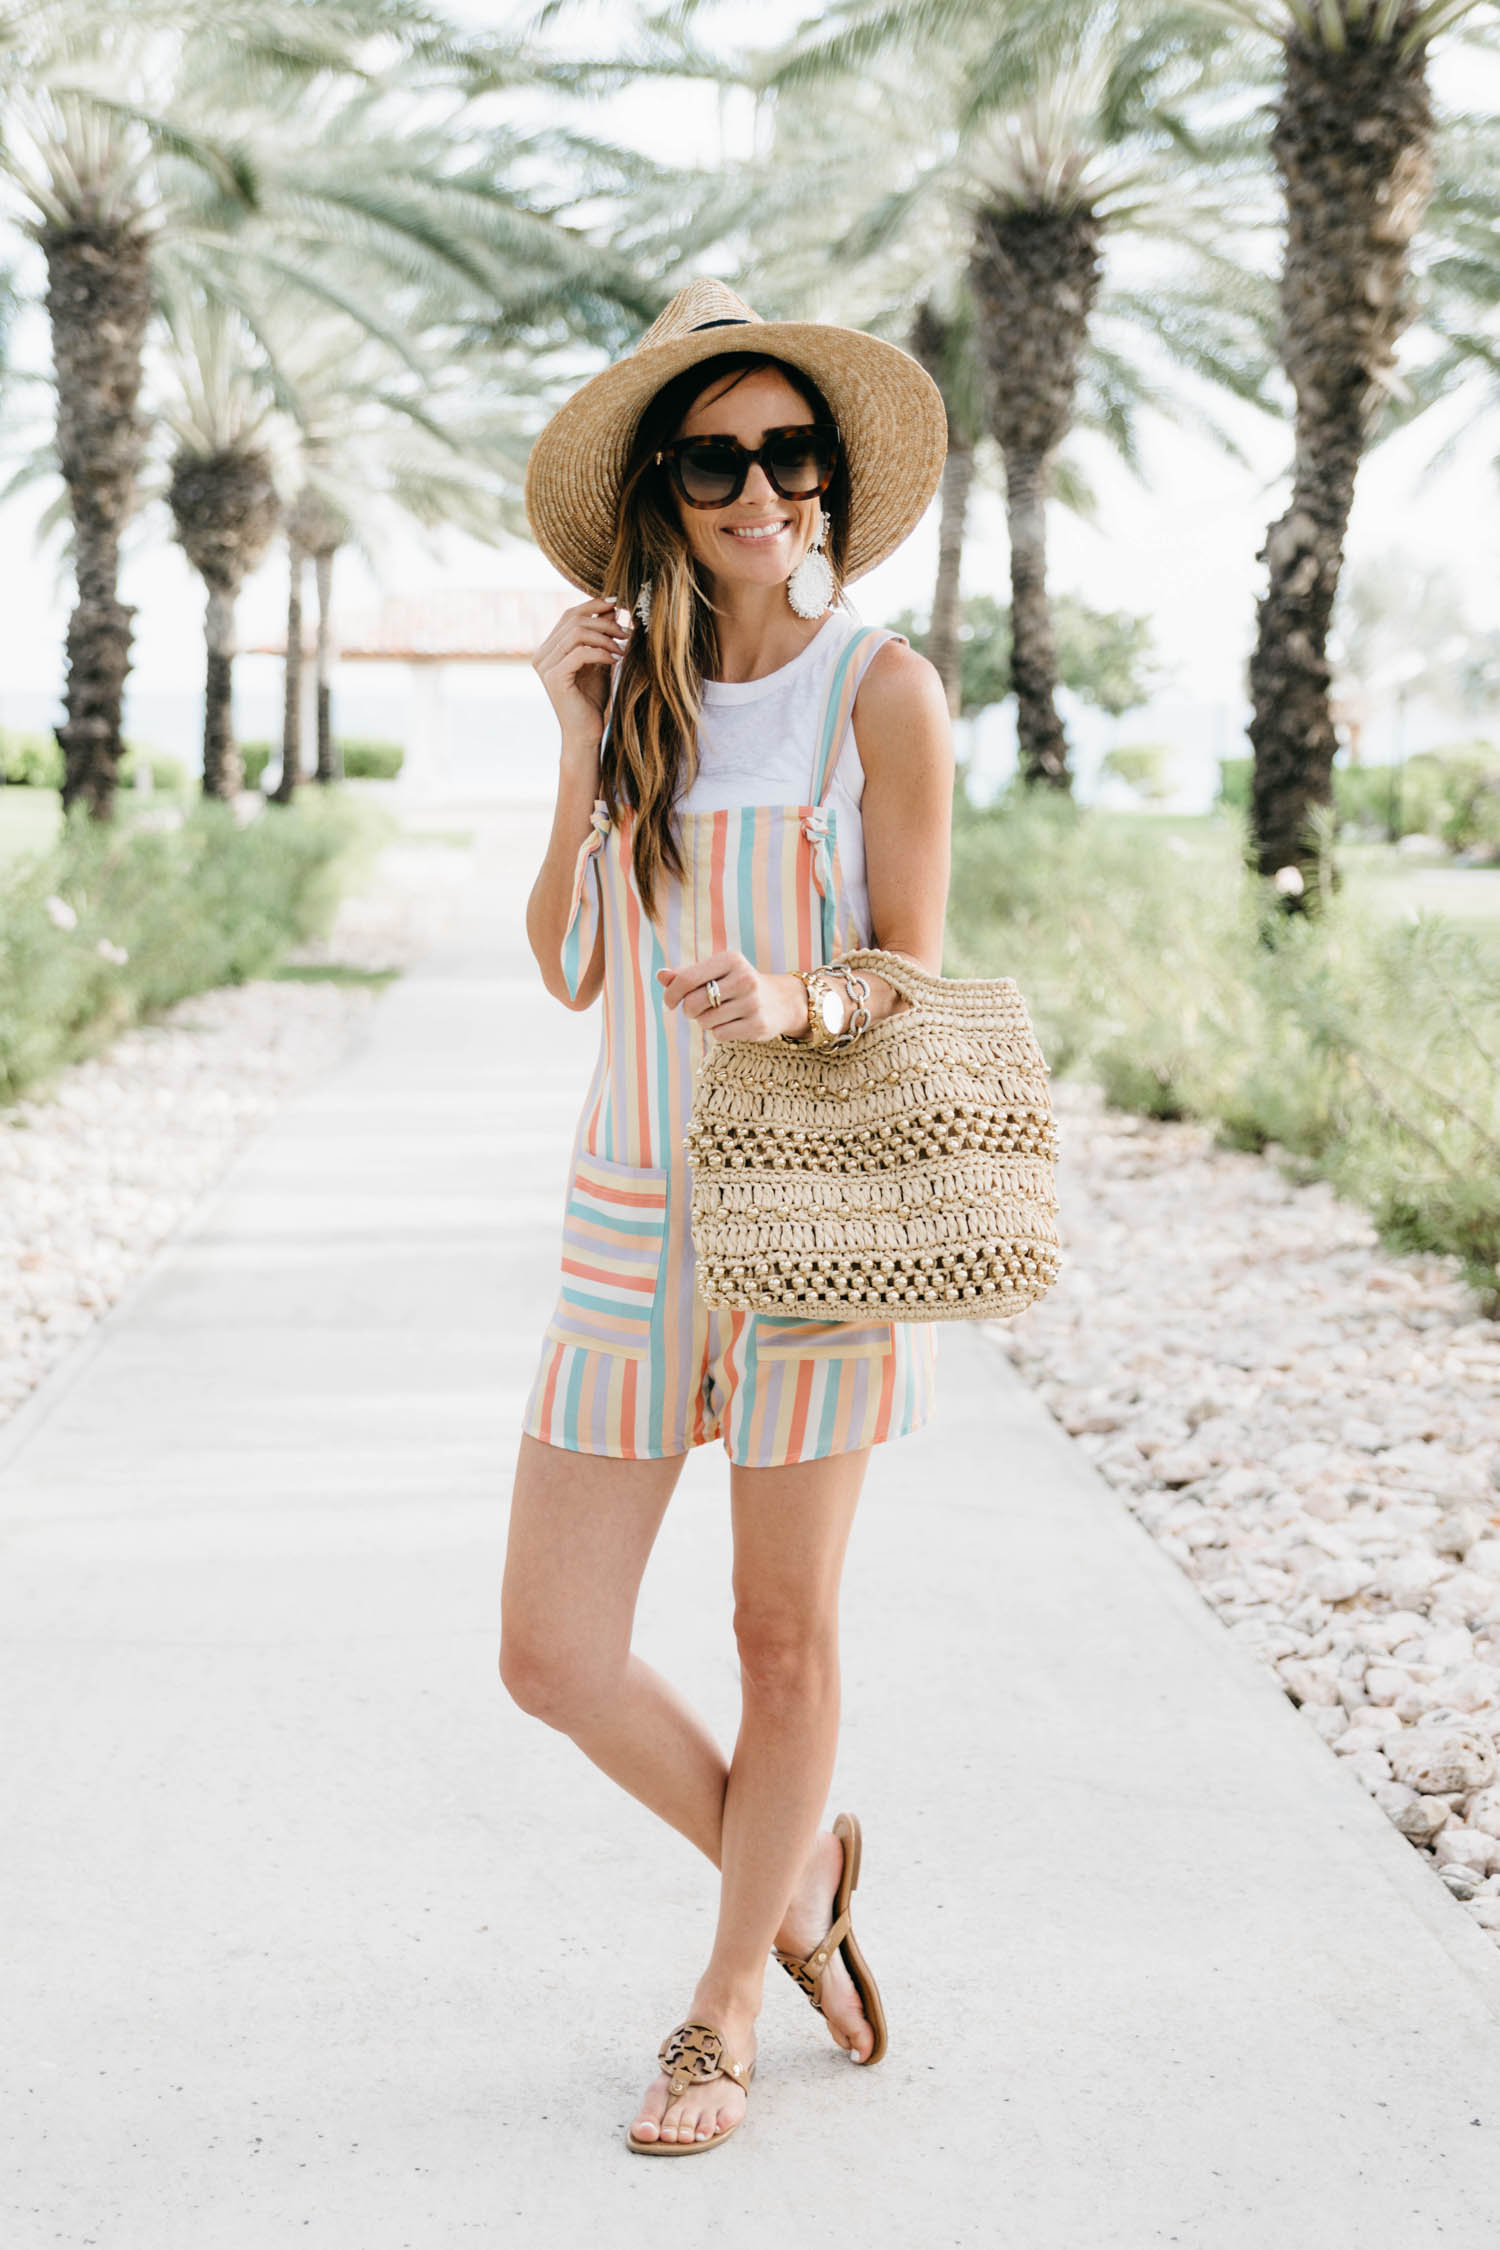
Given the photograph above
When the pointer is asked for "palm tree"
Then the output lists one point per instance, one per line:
(434, 435)
(76, 162)
(329, 531)
(943, 338)
(1352, 144)
(222, 495)
(1352, 135)
(101, 160)
(131, 128)
(316, 528)
(1056, 131)
(829, 180)
(1035, 273)
(291, 701)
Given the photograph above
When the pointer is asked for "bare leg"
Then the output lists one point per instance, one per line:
(581, 1530)
(791, 1529)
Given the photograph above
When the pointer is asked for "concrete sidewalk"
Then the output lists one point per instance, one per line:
(311, 1938)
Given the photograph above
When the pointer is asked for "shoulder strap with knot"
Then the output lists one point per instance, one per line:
(849, 668)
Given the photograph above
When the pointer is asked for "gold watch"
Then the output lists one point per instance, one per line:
(827, 1008)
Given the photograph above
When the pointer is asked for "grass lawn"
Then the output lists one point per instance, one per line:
(1467, 894)
(29, 821)
(1392, 880)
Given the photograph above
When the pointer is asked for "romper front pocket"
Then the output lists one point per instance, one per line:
(776, 1338)
(614, 1231)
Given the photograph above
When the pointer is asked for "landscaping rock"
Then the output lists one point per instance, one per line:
(1307, 1423)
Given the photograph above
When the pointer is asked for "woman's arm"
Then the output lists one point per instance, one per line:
(905, 742)
(555, 900)
(575, 663)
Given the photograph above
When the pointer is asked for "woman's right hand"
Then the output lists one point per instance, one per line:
(575, 663)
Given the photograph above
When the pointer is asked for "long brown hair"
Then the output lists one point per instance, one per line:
(650, 746)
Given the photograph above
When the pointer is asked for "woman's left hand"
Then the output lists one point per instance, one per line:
(752, 1004)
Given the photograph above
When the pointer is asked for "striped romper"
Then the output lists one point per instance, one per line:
(633, 1363)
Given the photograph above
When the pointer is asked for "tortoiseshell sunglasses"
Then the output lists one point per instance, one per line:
(710, 472)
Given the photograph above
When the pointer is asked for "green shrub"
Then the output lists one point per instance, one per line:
(35, 761)
(363, 761)
(190, 899)
(1145, 767)
(1468, 778)
(1234, 784)
(1452, 792)
(1417, 795)
(29, 760)
(1365, 798)
(1362, 1044)
(168, 775)
(372, 761)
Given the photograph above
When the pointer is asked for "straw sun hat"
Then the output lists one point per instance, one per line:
(888, 409)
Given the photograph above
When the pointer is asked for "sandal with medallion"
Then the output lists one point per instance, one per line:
(692, 2054)
(807, 1970)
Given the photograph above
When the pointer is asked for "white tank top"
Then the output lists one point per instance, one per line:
(757, 743)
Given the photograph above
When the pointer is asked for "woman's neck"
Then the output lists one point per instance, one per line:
(758, 630)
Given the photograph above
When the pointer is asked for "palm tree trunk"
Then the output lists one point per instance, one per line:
(1352, 143)
(936, 341)
(328, 760)
(224, 510)
(98, 304)
(291, 705)
(223, 774)
(944, 648)
(1042, 743)
(1034, 272)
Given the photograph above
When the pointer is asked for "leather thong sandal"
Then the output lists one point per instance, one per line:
(809, 1969)
(691, 2055)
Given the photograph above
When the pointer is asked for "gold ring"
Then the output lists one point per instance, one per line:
(715, 997)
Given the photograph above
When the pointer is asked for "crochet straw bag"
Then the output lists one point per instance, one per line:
(909, 1175)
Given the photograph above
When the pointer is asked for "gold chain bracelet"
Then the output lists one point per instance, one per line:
(858, 990)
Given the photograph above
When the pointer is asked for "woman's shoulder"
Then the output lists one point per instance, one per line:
(901, 684)
(895, 674)
(902, 706)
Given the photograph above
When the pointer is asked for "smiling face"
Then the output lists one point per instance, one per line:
(759, 538)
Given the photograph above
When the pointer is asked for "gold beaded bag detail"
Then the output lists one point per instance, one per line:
(910, 1176)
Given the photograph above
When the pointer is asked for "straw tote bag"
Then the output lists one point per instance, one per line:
(908, 1176)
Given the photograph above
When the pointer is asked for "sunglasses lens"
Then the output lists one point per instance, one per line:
(709, 473)
(801, 463)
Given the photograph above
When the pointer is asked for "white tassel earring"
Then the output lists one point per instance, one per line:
(809, 589)
(643, 602)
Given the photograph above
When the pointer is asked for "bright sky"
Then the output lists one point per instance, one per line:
(1182, 547)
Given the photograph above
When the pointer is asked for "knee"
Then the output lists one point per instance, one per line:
(548, 1680)
(786, 1657)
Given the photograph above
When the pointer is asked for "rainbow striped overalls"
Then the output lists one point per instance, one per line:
(633, 1363)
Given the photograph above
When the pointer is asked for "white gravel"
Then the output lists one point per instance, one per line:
(1310, 1426)
(98, 1170)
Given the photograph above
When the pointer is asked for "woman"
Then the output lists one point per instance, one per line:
(721, 834)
